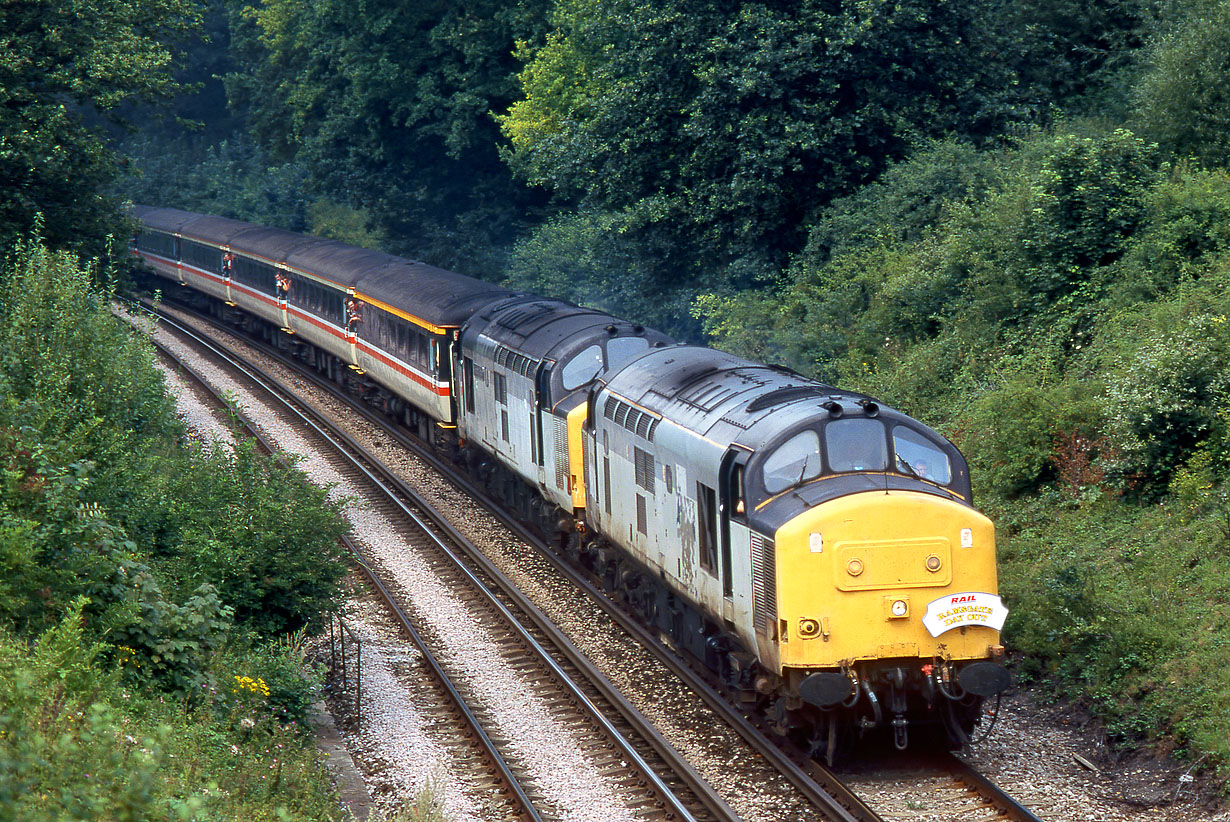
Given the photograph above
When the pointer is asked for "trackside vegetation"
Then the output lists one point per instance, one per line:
(154, 594)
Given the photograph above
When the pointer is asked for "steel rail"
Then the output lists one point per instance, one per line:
(1003, 803)
(441, 677)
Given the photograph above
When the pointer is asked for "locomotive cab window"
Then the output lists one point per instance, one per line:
(794, 461)
(582, 368)
(621, 349)
(856, 445)
(918, 456)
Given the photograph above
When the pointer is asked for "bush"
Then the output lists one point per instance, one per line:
(76, 743)
(1163, 399)
(61, 755)
(262, 534)
(1182, 99)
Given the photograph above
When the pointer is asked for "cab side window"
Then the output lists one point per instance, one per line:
(794, 461)
(706, 504)
(918, 456)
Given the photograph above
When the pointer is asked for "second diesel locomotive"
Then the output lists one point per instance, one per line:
(815, 549)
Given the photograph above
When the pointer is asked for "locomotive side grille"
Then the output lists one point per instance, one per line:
(764, 584)
(639, 422)
(505, 357)
(644, 467)
(642, 425)
(561, 454)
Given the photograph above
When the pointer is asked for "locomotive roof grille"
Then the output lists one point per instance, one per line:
(524, 313)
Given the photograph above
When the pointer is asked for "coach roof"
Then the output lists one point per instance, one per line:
(437, 296)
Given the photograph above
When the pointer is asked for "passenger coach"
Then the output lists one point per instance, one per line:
(344, 301)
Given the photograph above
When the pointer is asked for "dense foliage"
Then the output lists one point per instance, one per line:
(388, 107)
(149, 572)
(721, 127)
(67, 66)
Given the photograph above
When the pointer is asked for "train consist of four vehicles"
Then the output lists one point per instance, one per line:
(817, 550)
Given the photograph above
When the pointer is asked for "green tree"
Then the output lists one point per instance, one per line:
(1083, 55)
(66, 67)
(740, 120)
(267, 539)
(1182, 100)
(389, 106)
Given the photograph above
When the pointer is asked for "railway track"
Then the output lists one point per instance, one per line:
(623, 745)
(824, 791)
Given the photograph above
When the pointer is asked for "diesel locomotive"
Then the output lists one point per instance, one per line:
(817, 550)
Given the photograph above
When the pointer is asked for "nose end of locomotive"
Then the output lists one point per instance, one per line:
(984, 679)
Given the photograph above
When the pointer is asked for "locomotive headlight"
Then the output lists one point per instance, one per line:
(854, 567)
(933, 563)
(897, 607)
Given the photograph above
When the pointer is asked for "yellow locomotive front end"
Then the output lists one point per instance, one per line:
(888, 606)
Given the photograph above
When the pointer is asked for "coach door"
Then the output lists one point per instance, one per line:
(179, 260)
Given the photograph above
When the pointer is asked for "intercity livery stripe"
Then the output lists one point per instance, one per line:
(440, 389)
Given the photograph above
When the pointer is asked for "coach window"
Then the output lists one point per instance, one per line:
(918, 456)
(856, 445)
(582, 368)
(424, 350)
(794, 461)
